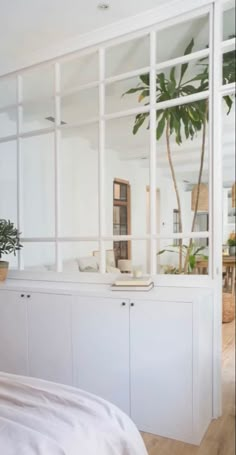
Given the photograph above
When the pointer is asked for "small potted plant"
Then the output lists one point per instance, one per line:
(232, 244)
(9, 243)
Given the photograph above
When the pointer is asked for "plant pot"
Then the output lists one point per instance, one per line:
(232, 250)
(3, 270)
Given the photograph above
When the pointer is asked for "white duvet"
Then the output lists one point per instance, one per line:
(43, 418)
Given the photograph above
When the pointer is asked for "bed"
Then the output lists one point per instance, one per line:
(43, 418)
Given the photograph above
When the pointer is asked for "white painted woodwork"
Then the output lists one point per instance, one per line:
(161, 352)
(49, 326)
(150, 353)
(100, 328)
(13, 333)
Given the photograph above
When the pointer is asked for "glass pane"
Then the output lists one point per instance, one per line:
(180, 152)
(127, 158)
(38, 198)
(116, 216)
(8, 122)
(130, 255)
(8, 181)
(13, 260)
(115, 252)
(79, 181)
(121, 250)
(182, 80)
(123, 192)
(39, 257)
(79, 257)
(79, 71)
(229, 67)
(38, 83)
(38, 115)
(127, 94)
(117, 191)
(140, 256)
(229, 178)
(79, 106)
(187, 256)
(176, 38)
(229, 24)
(128, 56)
(7, 91)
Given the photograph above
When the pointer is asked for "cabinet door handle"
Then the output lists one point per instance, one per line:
(123, 303)
(28, 296)
(22, 295)
(132, 304)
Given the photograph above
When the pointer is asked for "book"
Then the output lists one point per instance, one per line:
(127, 281)
(132, 288)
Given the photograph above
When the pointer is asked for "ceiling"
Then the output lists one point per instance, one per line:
(28, 26)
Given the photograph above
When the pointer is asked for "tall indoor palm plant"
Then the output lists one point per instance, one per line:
(183, 120)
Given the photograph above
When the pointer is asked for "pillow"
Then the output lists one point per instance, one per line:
(88, 264)
(70, 265)
(111, 269)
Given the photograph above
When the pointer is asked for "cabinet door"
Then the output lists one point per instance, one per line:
(161, 368)
(13, 333)
(50, 352)
(100, 328)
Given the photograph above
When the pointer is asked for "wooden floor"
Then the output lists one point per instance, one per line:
(220, 437)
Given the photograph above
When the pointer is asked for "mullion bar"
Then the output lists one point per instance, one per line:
(152, 163)
(57, 144)
(101, 160)
(19, 173)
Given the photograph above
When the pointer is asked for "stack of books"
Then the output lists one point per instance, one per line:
(144, 283)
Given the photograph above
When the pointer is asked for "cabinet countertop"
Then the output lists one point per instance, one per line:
(165, 293)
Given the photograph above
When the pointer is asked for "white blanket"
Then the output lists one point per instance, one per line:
(43, 418)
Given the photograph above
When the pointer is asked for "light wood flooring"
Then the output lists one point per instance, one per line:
(220, 437)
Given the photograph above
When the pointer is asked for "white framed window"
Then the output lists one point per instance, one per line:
(108, 111)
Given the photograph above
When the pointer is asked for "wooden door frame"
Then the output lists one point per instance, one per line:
(126, 204)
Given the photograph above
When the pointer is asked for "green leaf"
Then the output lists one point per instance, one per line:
(201, 248)
(160, 127)
(171, 86)
(184, 67)
(139, 120)
(172, 75)
(145, 78)
(229, 103)
(189, 47)
(133, 90)
(161, 79)
(143, 95)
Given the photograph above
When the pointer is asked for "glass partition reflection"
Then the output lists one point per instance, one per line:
(126, 177)
(229, 178)
(78, 163)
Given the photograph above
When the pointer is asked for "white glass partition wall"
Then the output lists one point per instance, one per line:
(135, 112)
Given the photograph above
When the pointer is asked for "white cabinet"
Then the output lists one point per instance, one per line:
(13, 332)
(161, 354)
(100, 328)
(49, 326)
(150, 356)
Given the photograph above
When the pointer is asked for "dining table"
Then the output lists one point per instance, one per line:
(228, 263)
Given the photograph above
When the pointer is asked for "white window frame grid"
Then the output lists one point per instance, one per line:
(215, 91)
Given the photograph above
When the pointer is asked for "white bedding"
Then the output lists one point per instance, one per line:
(43, 418)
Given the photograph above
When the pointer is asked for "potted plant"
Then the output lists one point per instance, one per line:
(232, 244)
(9, 243)
(192, 255)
